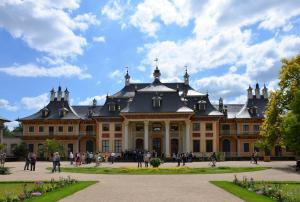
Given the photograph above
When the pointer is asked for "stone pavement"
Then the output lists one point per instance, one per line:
(155, 187)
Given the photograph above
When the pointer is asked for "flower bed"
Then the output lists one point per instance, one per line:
(36, 189)
(279, 191)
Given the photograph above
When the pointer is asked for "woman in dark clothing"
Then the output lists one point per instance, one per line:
(27, 161)
(32, 162)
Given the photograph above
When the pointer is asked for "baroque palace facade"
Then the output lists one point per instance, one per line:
(165, 117)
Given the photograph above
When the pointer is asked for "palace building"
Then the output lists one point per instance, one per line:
(165, 117)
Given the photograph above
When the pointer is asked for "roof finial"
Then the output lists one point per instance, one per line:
(156, 62)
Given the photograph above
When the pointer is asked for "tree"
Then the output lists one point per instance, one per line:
(6, 131)
(21, 150)
(279, 125)
(52, 146)
(291, 125)
(2, 146)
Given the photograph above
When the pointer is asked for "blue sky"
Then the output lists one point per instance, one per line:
(86, 45)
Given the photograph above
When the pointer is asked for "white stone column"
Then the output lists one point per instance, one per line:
(146, 135)
(126, 136)
(187, 136)
(167, 139)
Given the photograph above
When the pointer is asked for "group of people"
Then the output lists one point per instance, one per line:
(30, 160)
(89, 157)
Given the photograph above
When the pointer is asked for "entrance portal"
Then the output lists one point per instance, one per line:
(139, 144)
(89, 146)
(174, 146)
(226, 146)
(156, 145)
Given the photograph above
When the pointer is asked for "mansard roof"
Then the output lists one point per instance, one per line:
(142, 103)
(53, 109)
(247, 110)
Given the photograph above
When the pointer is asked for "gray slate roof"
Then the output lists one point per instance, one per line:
(4, 119)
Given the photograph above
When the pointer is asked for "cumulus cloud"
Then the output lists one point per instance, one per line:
(114, 9)
(33, 70)
(35, 102)
(11, 125)
(5, 104)
(47, 26)
(116, 74)
(100, 39)
(89, 100)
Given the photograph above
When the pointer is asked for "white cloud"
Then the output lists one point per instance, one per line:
(100, 39)
(32, 70)
(141, 68)
(167, 11)
(89, 100)
(116, 74)
(7, 106)
(35, 102)
(47, 26)
(114, 10)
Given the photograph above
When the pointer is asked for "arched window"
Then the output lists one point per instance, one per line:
(156, 101)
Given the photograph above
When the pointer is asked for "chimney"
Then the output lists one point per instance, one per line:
(265, 92)
(257, 91)
(59, 94)
(250, 95)
(66, 95)
(52, 94)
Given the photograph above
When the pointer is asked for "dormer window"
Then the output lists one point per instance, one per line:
(90, 113)
(202, 105)
(111, 107)
(63, 111)
(45, 112)
(156, 101)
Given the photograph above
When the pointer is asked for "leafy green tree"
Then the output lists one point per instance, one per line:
(6, 131)
(52, 146)
(21, 150)
(2, 146)
(291, 125)
(280, 122)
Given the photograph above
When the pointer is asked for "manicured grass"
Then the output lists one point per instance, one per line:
(16, 188)
(62, 193)
(160, 171)
(242, 192)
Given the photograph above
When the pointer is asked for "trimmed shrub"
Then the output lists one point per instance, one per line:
(4, 170)
(155, 162)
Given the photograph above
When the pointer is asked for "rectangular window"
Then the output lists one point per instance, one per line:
(60, 129)
(225, 127)
(139, 127)
(209, 126)
(105, 127)
(246, 128)
(174, 127)
(118, 146)
(41, 129)
(256, 128)
(246, 147)
(70, 129)
(31, 129)
(105, 145)
(196, 126)
(118, 127)
(70, 148)
(51, 130)
(196, 145)
(209, 146)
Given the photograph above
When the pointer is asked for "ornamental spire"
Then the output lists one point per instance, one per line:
(156, 73)
(127, 77)
(186, 76)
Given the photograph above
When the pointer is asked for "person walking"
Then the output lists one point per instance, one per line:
(2, 159)
(27, 161)
(56, 162)
(213, 159)
(147, 159)
(252, 158)
(32, 162)
(139, 159)
(71, 158)
(178, 159)
(184, 158)
(112, 157)
(77, 159)
(255, 157)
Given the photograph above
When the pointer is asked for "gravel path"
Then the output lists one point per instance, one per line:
(146, 188)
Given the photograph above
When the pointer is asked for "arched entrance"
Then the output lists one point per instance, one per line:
(174, 146)
(89, 146)
(139, 144)
(156, 144)
(226, 146)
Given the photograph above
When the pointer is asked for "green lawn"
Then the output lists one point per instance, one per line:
(15, 188)
(287, 187)
(160, 171)
(241, 192)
